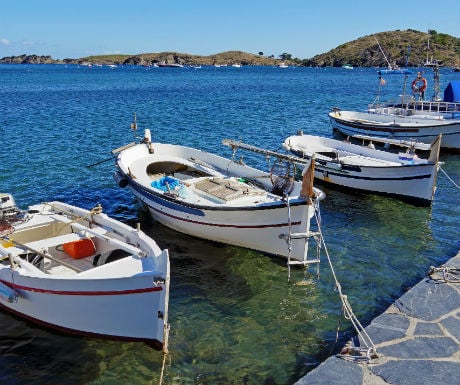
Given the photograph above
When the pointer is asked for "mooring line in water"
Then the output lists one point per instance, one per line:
(448, 177)
(165, 353)
(349, 352)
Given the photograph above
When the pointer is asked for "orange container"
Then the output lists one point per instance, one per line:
(80, 249)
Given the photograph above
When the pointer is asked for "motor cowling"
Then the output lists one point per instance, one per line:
(120, 179)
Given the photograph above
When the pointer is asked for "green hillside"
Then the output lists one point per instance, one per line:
(365, 51)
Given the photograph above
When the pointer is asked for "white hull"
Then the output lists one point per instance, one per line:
(123, 308)
(423, 129)
(253, 229)
(362, 168)
(124, 299)
(256, 219)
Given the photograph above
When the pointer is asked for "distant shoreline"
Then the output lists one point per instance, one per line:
(363, 52)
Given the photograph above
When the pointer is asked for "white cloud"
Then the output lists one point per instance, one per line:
(4, 42)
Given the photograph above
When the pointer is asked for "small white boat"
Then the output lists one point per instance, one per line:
(392, 69)
(219, 199)
(82, 272)
(401, 175)
(170, 65)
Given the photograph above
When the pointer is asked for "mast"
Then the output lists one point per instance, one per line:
(383, 53)
(434, 64)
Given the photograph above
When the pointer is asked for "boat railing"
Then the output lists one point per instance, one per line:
(446, 109)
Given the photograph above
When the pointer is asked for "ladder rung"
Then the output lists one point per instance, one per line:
(307, 262)
(300, 235)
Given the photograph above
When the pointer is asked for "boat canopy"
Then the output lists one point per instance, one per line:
(452, 92)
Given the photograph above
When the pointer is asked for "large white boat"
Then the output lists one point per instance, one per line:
(82, 272)
(410, 116)
(219, 199)
(391, 126)
(403, 175)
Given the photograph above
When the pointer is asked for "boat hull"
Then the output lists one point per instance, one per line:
(259, 228)
(116, 289)
(260, 221)
(403, 183)
(387, 126)
(369, 170)
(120, 308)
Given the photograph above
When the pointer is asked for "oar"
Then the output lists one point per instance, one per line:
(102, 161)
(116, 151)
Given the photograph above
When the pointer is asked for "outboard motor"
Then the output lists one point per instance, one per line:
(8, 208)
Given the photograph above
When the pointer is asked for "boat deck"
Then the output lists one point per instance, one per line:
(361, 160)
(41, 243)
(344, 156)
(227, 189)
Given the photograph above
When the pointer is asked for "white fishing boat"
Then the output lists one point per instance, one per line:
(402, 175)
(170, 65)
(82, 272)
(409, 116)
(421, 127)
(219, 199)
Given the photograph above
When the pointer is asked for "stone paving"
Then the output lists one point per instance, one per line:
(417, 340)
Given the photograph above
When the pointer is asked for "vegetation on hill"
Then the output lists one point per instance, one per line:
(229, 58)
(404, 48)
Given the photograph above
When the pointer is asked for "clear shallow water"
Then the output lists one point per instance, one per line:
(234, 319)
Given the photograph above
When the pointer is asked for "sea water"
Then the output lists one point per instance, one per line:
(234, 317)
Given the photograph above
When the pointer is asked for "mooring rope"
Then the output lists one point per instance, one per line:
(165, 353)
(449, 274)
(347, 311)
(448, 177)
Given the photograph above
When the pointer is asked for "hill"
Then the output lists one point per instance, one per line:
(365, 51)
(229, 58)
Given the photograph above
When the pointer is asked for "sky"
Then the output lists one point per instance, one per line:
(302, 28)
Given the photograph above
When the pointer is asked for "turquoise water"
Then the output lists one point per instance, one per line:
(234, 319)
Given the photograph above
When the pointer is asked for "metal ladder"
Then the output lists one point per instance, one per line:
(317, 235)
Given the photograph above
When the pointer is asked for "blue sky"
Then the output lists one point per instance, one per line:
(303, 28)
